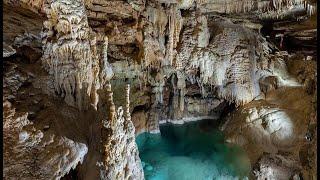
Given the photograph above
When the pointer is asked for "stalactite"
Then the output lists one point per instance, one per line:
(175, 25)
(153, 43)
(67, 52)
(172, 19)
(190, 38)
(311, 9)
(231, 65)
(269, 7)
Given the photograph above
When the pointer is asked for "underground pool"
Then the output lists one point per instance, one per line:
(191, 151)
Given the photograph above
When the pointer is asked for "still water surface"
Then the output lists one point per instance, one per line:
(191, 151)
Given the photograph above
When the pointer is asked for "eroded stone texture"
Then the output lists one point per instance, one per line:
(67, 52)
(279, 125)
(120, 152)
(185, 60)
(30, 153)
(277, 167)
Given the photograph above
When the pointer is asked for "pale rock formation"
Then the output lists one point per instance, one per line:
(277, 167)
(234, 61)
(184, 62)
(67, 52)
(153, 43)
(264, 9)
(185, 4)
(181, 87)
(175, 23)
(139, 119)
(121, 156)
(30, 153)
(230, 63)
(13, 80)
(7, 50)
(273, 125)
(106, 69)
(278, 125)
(28, 39)
(158, 84)
(189, 40)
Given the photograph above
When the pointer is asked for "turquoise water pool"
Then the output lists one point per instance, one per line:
(190, 151)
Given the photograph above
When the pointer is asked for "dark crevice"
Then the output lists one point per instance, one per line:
(139, 108)
(72, 175)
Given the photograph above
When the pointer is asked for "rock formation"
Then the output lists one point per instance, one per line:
(67, 51)
(179, 61)
(121, 156)
(31, 153)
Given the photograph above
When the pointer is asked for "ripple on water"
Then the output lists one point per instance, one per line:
(188, 152)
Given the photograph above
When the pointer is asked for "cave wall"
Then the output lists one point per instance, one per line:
(184, 60)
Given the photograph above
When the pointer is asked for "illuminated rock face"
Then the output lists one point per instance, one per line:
(276, 133)
(185, 60)
(67, 51)
(71, 56)
(121, 157)
(32, 154)
(277, 167)
(270, 127)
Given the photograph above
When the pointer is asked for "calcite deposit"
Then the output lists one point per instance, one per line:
(121, 156)
(30, 153)
(67, 52)
(82, 78)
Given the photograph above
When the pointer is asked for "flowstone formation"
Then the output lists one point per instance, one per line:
(245, 64)
(67, 52)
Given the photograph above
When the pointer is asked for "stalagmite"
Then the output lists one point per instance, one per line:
(311, 9)
(112, 108)
(96, 70)
(128, 114)
(120, 156)
(106, 73)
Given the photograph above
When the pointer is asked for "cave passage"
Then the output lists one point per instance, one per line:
(189, 152)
